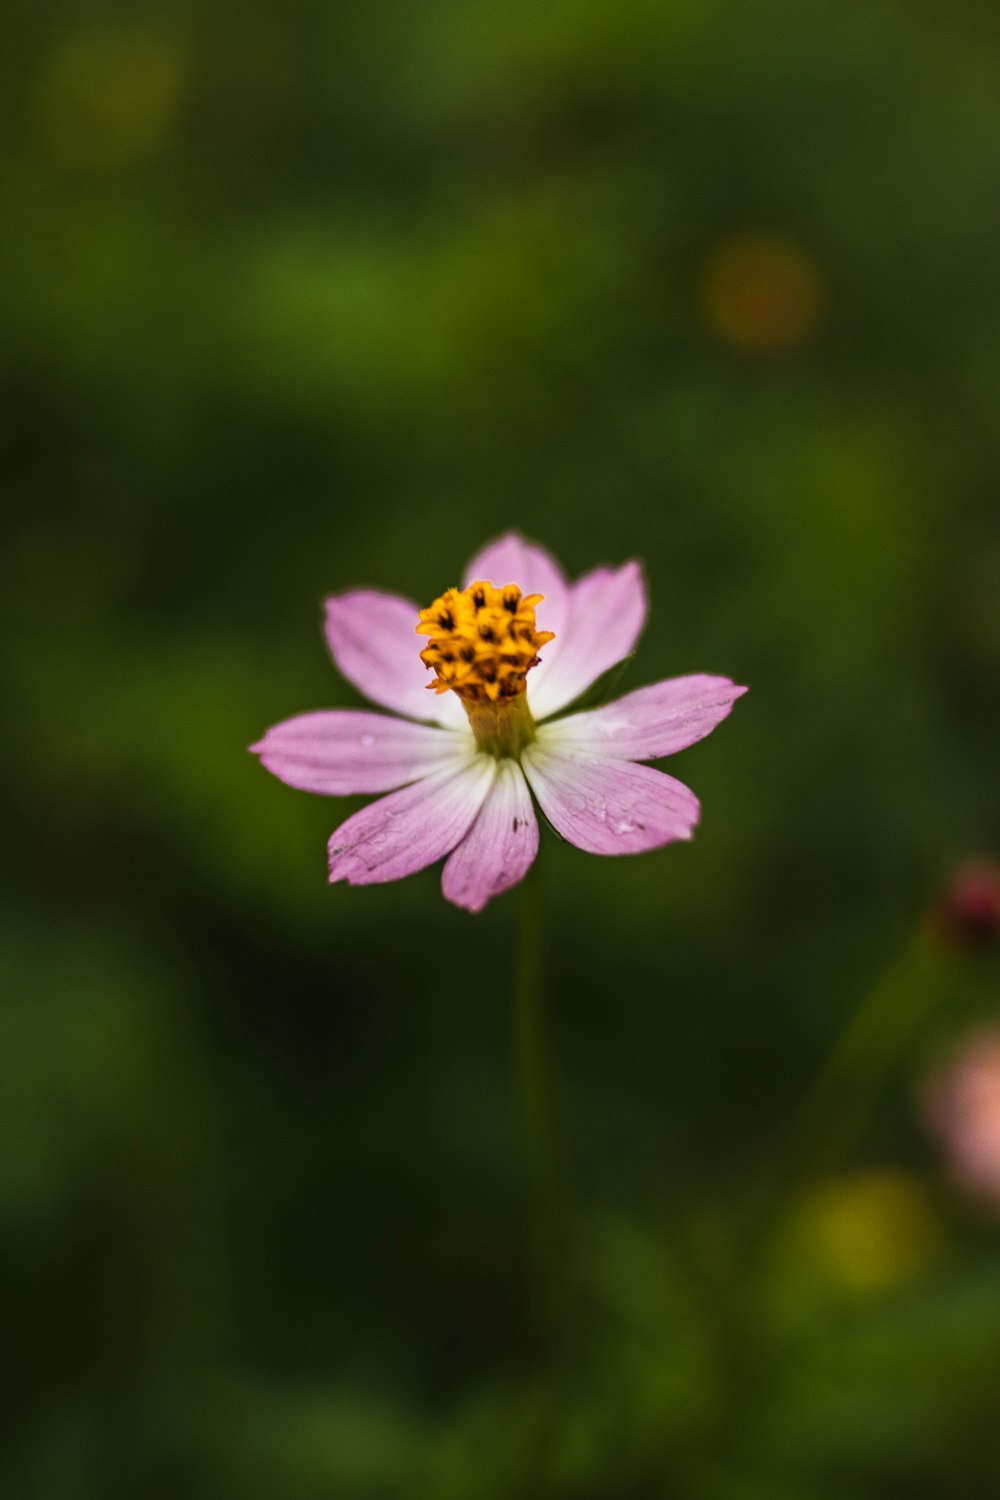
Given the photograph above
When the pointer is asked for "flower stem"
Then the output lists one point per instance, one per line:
(836, 1108)
(547, 1211)
(838, 1105)
(533, 1046)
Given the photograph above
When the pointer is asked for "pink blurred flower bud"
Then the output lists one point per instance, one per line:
(968, 911)
(963, 1111)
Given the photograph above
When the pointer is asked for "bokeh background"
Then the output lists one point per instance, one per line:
(303, 295)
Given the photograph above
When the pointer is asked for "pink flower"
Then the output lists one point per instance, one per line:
(963, 1110)
(968, 912)
(459, 785)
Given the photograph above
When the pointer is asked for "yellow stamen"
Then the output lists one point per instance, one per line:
(483, 643)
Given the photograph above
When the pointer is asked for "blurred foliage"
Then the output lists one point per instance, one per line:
(300, 296)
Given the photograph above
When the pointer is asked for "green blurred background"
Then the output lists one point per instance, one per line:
(300, 296)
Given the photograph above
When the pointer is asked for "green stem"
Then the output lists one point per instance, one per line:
(836, 1109)
(533, 1049)
(548, 1237)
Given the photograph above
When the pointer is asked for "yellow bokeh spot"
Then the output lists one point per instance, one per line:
(107, 97)
(870, 1231)
(762, 293)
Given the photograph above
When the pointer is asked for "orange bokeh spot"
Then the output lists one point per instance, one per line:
(107, 98)
(762, 293)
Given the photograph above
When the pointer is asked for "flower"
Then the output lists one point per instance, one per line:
(459, 784)
(962, 1107)
(968, 913)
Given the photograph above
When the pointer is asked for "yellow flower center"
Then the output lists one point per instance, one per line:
(483, 642)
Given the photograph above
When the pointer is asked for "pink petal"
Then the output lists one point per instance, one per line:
(607, 610)
(343, 751)
(408, 830)
(653, 721)
(500, 846)
(373, 639)
(609, 806)
(510, 559)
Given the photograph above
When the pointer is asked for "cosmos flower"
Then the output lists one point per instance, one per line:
(477, 686)
(962, 1107)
